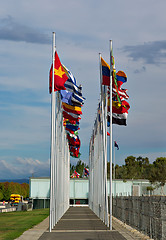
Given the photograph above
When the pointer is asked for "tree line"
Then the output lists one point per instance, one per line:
(141, 168)
(134, 168)
(8, 188)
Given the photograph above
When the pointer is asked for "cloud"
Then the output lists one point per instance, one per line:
(150, 52)
(142, 69)
(13, 31)
(23, 168)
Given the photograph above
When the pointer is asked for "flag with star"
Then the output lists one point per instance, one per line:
(60, 76)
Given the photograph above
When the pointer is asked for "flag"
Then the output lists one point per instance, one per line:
(76, 174)
(74, 141)
(117, 118)
(119, 113)
(121, 78)
(105, 73)
(72, 134)
(71, 86)
(86, 171)
(71, 109)
(116, 145)
(74, 151)
(121, 92)
(71, 116)
(106, 77)
(66, 96)
(60, 76)
(120, 109)
(72, 125)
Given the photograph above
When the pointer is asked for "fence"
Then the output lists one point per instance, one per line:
(146, 214)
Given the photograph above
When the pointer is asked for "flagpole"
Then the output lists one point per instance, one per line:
(102, 195)
(111, 69)
(52, 152)
(114, 161)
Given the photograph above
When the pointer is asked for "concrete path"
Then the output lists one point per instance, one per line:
(80, 223)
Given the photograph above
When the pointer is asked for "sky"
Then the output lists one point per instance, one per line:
(83, 30)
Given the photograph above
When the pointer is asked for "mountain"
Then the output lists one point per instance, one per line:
(21, 180)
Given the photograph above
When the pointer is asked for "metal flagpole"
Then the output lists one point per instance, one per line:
(111, 69)
(53, 102)
(102, 145)
(114, 161)
(106, 191)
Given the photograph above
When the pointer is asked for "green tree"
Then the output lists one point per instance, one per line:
(7, 191)
(131, 167)
(157, 172)
(1, 195)
(79, 168)
(142, 170)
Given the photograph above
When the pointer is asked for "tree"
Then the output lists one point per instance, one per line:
(131, 167)
(157, 172)
(79, 168)
(7, 191)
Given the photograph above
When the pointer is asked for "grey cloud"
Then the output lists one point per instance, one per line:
(143, 69)
(23, 168)
(13, 31)
(150, 52)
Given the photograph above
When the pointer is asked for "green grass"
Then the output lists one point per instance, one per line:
(13, 224)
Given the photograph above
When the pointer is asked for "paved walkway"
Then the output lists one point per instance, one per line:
(80, 223)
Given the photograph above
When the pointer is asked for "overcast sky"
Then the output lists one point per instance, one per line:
(83, 29)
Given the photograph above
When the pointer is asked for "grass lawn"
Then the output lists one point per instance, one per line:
(13, 224)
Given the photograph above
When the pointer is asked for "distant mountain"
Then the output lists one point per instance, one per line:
(21, 180)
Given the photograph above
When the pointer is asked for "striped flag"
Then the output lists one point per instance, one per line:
(71, 86)
(71, 109)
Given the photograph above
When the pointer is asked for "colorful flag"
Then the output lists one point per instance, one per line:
(120, 109)
(71, 86)
(76, 174)
(106, 77)
(105, 73)
(71, 109)
(74, 141)
(86, 171)
(72, 126)
(72, 134)
(60, 76)
(66, 96)
(74, 151)
(71, 116)
(121, 78)
(119, 113)
(116, 145)
(117, 118)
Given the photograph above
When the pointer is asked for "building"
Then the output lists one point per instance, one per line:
(79, 190)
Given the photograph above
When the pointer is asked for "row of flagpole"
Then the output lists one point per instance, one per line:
(98, 194)
(66, 103)
(59, 159)
(112, 109)
(110, 147)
